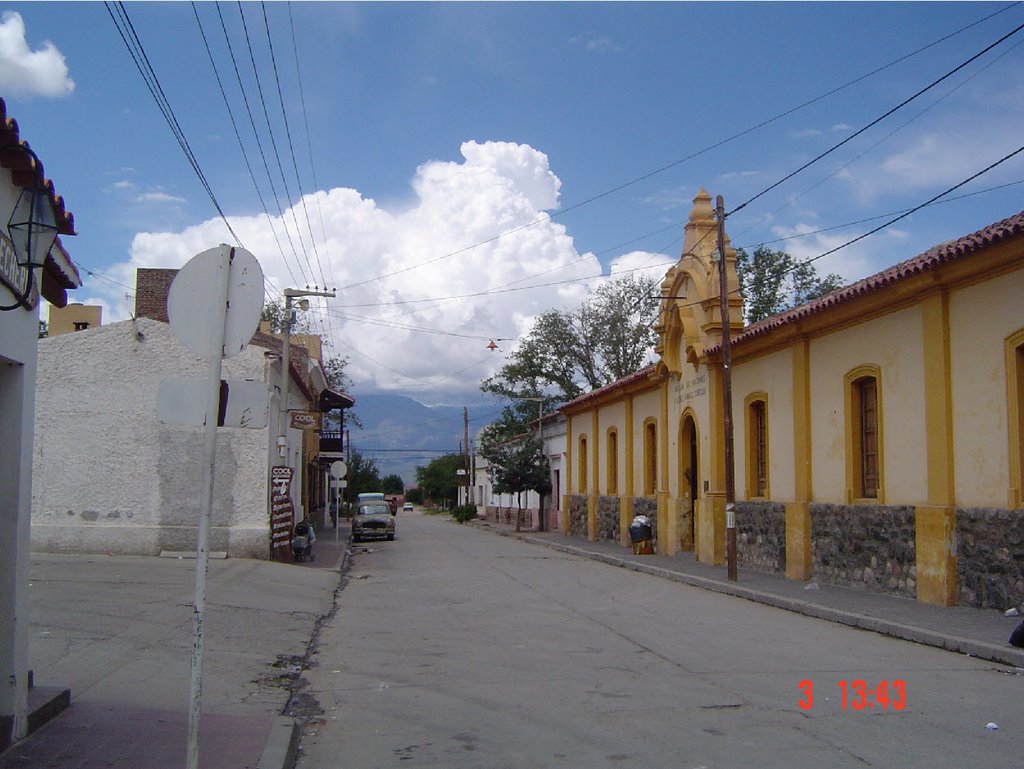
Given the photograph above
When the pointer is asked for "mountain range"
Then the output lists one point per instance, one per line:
(400, 433)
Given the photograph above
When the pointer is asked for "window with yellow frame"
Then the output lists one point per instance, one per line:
(864, 445)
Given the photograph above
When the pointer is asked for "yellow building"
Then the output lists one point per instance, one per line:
(878, 431)
(73, 317)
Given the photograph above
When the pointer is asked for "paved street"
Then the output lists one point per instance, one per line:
(453, 647)
(117, 631)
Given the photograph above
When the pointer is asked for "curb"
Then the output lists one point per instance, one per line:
(281, 749)
(913, 633)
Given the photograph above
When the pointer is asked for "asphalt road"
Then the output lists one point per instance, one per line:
(452, 647)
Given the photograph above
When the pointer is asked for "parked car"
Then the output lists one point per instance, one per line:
(407, 507)
(373, 520)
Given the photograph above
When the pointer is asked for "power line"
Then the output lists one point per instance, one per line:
(126, 30)
(643, 177)
(238, 138)
(876, 121)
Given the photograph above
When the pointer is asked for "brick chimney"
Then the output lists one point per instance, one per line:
(152, 286)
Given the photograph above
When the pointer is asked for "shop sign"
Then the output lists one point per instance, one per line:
(12, 274)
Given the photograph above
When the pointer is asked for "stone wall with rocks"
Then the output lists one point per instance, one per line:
(867, 547)
(761, 535)
(578, 516)
(608, 519)
(990, 557)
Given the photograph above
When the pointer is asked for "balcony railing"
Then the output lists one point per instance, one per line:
(331, 441)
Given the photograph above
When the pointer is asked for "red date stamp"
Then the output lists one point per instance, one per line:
(857, 694)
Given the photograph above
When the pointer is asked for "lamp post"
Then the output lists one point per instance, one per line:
(32, 227)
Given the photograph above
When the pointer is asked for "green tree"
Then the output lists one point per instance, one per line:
(773, 281)
(608, 337)
(392, 484)
(515, 464)
(414, 495)
(438, 481)
(363, 475)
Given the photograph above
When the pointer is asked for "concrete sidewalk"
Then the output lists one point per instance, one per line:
(117, 632)
(979, 633)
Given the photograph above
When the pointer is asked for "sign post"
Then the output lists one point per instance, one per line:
(214, 307)
(338, 471)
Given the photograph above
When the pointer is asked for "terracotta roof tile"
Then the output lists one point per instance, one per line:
(60, 271)
(952, 250)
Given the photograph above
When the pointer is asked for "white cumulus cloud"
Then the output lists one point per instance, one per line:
(23, 71)
(421, 290)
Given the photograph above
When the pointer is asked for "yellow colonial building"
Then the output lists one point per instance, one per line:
(878, 431)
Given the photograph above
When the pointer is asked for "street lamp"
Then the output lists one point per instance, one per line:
(32, 228)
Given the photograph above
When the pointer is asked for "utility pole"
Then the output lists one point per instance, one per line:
(730, 476)
(286, 364)
(465, 443)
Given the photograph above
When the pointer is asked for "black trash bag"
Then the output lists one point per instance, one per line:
(1017, 636)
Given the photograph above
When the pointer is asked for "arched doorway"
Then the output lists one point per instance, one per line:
(688, 481)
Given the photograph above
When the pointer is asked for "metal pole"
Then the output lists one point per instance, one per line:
(203, 535)
(730, 476)
(465, 442)
(286, 370)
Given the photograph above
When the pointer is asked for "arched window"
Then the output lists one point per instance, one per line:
(650, 457)
(864, 433)
(757, 444)
(583, 464)
(1015, 421)
(612, 459)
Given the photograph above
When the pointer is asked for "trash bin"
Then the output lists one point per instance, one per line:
(641, 533)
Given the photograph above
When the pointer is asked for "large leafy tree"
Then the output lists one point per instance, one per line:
(392, 484)
(516, 463)
(363, 474)
(773, 281)
(439, 480)
(568, 352)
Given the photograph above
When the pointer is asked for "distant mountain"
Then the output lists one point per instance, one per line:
(400, 433)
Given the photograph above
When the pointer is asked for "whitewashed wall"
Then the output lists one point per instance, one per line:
(109, 477)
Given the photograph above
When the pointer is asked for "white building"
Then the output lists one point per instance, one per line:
(503, 508)
(114, 479)
(19, 331)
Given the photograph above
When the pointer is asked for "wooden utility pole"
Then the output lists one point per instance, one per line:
(465, 442)
(730, 475)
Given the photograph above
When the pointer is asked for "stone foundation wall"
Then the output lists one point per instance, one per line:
(608, 519)
(578, 516)
(867, 547)
(761, 535)
(990, 557)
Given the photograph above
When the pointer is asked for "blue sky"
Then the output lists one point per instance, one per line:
(437, 127)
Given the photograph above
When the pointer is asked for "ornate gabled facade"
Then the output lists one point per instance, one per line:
(879, 431)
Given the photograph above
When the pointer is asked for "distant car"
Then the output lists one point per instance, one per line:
(373, 520)
(407, 507)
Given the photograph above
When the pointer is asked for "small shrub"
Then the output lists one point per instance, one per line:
(463, 513)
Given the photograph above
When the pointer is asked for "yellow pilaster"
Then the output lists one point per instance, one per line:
(798, 540)
(570, 482)
(668, 526)
(630, 490)
(711, 528)
(711, 507)
(936, 521)
(936, 564)
(595, 475)
(798, 515)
